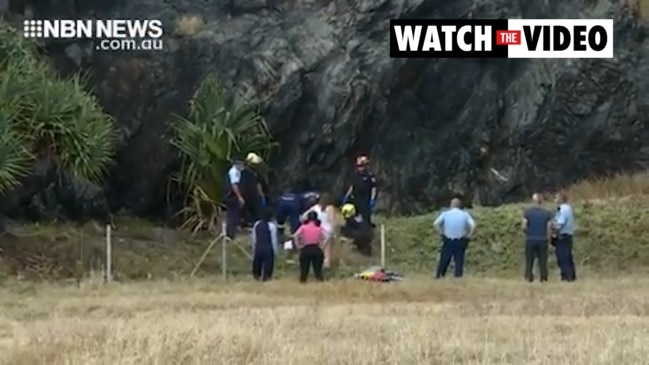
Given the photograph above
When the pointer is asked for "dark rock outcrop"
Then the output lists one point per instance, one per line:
(492, 129)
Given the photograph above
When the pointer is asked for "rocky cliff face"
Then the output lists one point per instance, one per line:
(493, 129)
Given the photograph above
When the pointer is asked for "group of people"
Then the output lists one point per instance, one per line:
(541, 229)
(313, 222)
(311, 217)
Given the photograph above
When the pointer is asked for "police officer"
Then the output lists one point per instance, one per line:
(234, 200)
(358, 231)
(564, 226)
(363, 190)
(456, 226)
(251, 189)
(289, 207)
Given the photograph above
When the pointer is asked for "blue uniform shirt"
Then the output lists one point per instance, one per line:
(564, 220)
(290, 200)
(455, 223)
(234, 175)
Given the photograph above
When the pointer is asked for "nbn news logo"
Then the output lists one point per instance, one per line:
(501, 38)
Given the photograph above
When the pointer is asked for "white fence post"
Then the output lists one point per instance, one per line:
(109, 254)
(224, 252)
(383, 246)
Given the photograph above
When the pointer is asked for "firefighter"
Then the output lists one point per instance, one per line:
(251, 190)
(357, 230)
(362, 190)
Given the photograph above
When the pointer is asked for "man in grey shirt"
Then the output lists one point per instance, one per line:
(537, 225)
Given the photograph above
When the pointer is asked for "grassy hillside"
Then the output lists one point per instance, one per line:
(612, 219)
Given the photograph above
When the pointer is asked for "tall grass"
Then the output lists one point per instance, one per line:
(617, 187)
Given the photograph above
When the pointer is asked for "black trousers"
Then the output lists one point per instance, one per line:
(311, 256)
(233, 214)
(565, 260)
(251, 209)
(536, 251)
(452, 249)
(263, 264)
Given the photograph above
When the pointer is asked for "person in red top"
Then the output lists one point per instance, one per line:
(309, 238)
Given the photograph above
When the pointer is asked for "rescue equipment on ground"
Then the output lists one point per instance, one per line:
(379, 274)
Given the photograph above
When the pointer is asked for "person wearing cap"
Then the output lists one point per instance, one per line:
(234, 200)
(252, 190)
(362, 190)
(456, 226)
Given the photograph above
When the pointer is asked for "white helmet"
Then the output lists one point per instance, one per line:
(254, 158)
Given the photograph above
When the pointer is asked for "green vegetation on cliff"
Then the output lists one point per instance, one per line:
(216, 129)
(47, 118)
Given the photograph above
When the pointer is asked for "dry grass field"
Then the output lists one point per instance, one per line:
(420, 321)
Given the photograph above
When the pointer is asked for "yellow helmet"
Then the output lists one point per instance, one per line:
(348, 210)
(254, 158)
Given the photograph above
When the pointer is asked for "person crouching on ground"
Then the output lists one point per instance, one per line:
(326, 214)
(360, 232)
(309, 238)
(264, 246)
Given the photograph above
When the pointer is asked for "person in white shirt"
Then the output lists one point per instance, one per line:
(327, 216)
(234, 199)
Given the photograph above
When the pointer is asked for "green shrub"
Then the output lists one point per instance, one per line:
(216, 129)
(46, 117)
(611, 236)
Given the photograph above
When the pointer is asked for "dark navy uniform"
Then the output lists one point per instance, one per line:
(360, 233)
(250, 191)
(309, 199)
(362, 184)
(289, 207)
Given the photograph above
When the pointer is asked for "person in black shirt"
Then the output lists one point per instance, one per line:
(251, 190)
(363, 190)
